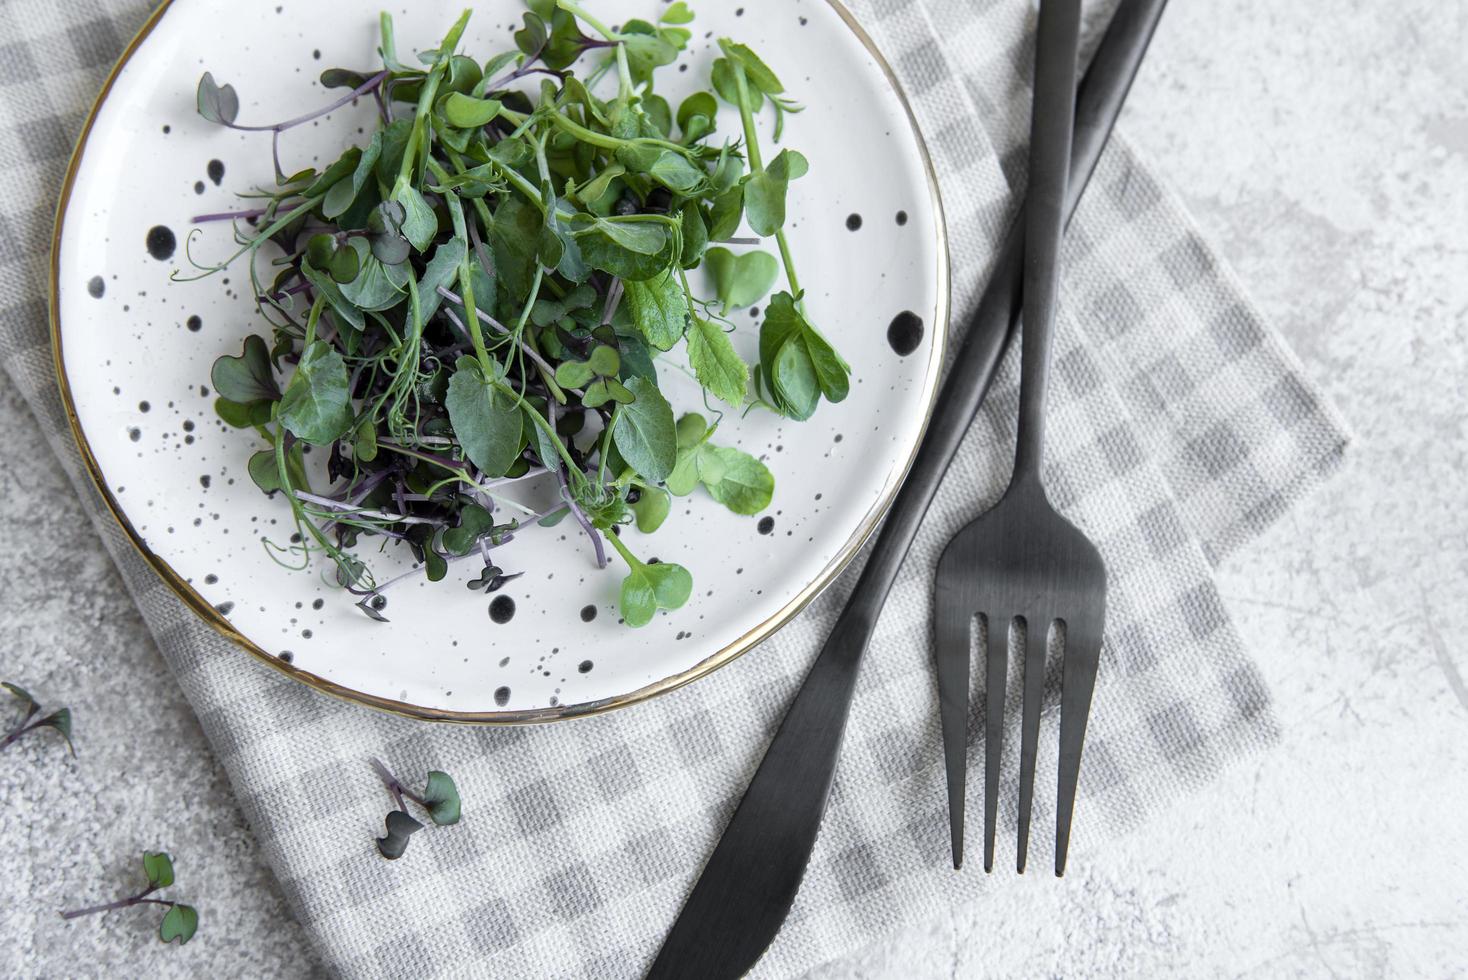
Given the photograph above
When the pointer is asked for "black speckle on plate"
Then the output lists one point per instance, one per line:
(225, 608)
(765, 525)
(902, 217)
(135, 434)
(195, 324)
(216, 171)
(502, 609)
(585, 666)
(96, 286)
(204, 481)
(905, 332)
(502, 696)
(588, 613)
(161, 243)
(853, 222)
(199, 187)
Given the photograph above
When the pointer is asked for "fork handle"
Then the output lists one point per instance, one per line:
(1052, 121)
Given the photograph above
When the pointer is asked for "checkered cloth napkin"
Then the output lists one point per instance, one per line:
(1180, 428)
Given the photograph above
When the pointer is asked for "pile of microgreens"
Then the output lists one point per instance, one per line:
(478, 296)
(179, 922)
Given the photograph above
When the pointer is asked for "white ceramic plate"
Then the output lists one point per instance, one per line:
(134, 349)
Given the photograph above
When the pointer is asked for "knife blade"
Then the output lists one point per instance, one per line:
(747, 887)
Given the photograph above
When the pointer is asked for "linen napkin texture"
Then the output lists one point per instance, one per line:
(1179, 427)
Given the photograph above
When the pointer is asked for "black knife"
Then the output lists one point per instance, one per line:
(746, 889)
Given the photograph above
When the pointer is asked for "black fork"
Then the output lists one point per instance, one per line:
(1021, 559)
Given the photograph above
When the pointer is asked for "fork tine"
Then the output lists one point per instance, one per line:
(953, 619)
(996, 681)
(1077, 682)
(1034, 688)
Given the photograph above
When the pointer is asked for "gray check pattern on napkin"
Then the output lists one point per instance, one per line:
(1180, 427)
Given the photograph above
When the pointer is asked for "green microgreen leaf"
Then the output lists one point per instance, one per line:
(385, 232)
(604, 360)
(731, 476)
(442, 271)
(547, 311)
(418, 224)
(474, 523)
(487, 422)
(668, 167)
(641, 238)
(604, 390)
(316, 405)
(652, 509)
(400, 826)
(158, 866)
(722, 78)
(797, 364)
(574, 374)
(217, 103)
(20, 692)
(364, 441)
(342, 78)
(60, 720)
(650, 47)
(735, 479)
(765, 191)
(322, 249)
(379, 285)
(344, 309)
(632, 252)
(741, 280)
(677, 13)
(648, 588)
(531, 39)
(758, 73)
(645, 432)
(464, 74)
(659, 308)
(247, 377)
(467, 112)
(264, 470)
(179, 922)
(441, 798)
(344, 193)
(395, 139)
(717, 365)
(516, 229)
(243, 416)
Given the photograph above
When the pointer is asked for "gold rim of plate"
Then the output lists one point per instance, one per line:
(213, 618)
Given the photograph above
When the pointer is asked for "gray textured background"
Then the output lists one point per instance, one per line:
(1328, 153)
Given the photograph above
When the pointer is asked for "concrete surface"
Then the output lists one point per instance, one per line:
(1326, 148)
